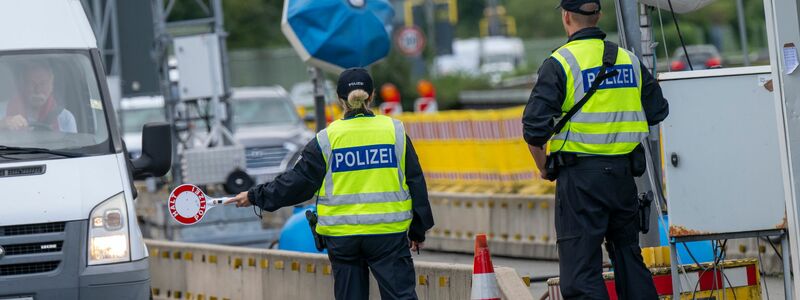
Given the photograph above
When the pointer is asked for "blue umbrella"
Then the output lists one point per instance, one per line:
(338, 34)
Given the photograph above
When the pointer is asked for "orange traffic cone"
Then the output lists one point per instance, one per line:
(484, 282)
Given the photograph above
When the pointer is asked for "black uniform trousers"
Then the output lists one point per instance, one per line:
(596, 200)
(388, 257)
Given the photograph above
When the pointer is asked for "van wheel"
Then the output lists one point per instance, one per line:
(238, 181)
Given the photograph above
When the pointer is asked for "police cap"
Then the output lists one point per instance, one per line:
(354, 79)
(575, 6)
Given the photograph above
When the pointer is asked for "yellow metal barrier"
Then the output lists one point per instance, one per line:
(475, 151)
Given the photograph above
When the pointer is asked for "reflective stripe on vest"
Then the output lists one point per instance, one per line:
(613, 121)
(364, 190)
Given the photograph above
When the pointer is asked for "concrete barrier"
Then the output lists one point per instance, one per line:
(208, 272)
(516, 225)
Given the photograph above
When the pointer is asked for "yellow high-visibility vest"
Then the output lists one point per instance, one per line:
(364, 191)
(613, 121)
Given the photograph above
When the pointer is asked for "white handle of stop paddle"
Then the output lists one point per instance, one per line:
(212, 202)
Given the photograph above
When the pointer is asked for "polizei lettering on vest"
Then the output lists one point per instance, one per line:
(364, 157)
(625, 79)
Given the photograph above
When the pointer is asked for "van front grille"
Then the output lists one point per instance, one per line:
(35, 248)
(32, 229)
(28, 268)
(32, 248)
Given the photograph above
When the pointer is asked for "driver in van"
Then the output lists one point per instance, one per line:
(35, 106)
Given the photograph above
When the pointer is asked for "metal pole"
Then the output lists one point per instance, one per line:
(493, 23)
(319, 97)
(673, 267)
(645, 28)
(632, 37)
(168, 90)
(783, 30)
(430, 18)
(218, 100)
(743, 32)
(787, 268)
(632, 34)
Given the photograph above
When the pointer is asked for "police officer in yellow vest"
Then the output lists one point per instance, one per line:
(596, 197)
(372, 202)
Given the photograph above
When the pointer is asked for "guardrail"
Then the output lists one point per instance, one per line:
(515, 225)
(209, 272)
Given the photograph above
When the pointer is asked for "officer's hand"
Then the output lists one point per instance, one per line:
(543, 173)
(240, 200)
(416, 246)
(15, 122)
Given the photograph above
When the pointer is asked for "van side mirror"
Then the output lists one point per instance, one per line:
(308, 118)
(156, 158)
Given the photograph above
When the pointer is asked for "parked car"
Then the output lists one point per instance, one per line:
(266, 122)
(702, 57)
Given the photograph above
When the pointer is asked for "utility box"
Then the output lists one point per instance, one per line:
(721, 152)
(199, 66)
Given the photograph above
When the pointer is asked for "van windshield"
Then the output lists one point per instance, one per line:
(51, 101)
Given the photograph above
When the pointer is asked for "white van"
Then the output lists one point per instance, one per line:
(68, 227)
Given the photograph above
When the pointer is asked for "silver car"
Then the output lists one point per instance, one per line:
(266, 122)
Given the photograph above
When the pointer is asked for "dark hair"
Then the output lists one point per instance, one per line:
(587, 20)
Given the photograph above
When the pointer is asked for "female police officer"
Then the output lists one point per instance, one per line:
(372, 200)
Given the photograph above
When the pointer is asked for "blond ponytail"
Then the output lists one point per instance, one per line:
(357, 99)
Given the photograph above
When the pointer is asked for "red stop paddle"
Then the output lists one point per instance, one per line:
(188, 204)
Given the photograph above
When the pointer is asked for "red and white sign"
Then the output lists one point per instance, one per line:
(426, 105)
(410, 41)
(391, 108)
(188, 204)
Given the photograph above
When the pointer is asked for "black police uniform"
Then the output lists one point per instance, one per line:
(387, 255)
(595, 198)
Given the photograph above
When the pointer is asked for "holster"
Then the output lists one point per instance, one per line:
(551, 167)
(311, 216)
(645, 200)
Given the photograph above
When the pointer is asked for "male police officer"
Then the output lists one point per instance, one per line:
(595, 194)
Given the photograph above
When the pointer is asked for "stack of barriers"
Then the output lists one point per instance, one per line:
(475, 151)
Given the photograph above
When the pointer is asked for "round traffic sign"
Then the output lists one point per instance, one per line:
(187, 204)
(410, 41)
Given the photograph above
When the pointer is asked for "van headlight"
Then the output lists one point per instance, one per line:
(108, 232)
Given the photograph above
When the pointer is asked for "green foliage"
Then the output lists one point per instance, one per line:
(395, 69)
(540, 18)
(470, 13)
(249, 23)
(448, 88)
(254, 23)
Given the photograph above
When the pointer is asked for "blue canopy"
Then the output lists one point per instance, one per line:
(338, 34)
